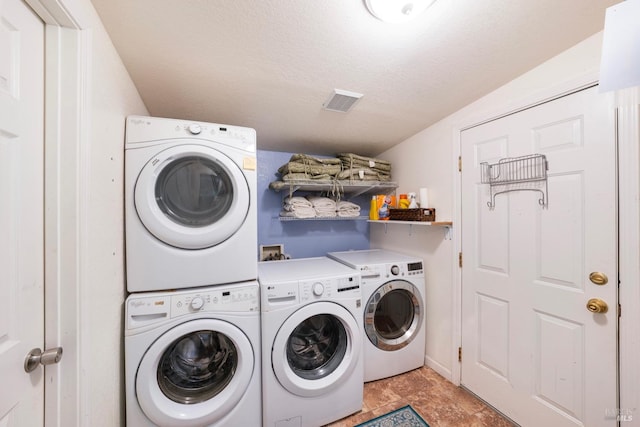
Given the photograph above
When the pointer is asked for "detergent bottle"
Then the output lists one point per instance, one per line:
(404, 202)
(385, 202)
(373, 209)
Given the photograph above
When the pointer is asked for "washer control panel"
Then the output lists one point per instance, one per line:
(334, 288)
(213, 300)
(276, 295)
(150, 309)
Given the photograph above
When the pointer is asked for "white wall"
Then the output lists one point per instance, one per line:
(112, 96)
(429, 159)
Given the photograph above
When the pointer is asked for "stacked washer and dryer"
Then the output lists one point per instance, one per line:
(205, 344)
(192, 320)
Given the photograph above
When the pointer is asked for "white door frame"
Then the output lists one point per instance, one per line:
(628, 128)
(628, 102)
(67, 56)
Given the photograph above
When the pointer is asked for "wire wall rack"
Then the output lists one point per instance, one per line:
(525, 173)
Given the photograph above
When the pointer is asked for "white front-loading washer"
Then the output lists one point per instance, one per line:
(192, 358)
(393, 291)
(311, 342)
(190, 204)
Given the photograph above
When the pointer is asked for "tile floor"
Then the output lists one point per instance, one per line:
(438, 401)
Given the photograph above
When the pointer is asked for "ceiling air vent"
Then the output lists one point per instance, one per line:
(341, 100)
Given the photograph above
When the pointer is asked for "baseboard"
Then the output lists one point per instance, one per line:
(439, 368)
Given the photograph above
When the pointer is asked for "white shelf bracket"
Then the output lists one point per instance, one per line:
(448, 226)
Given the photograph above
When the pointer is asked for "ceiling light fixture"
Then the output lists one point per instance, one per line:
(397, 11)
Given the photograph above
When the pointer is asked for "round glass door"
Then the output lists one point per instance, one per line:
(191, 196)
(316, 349)
(317, 346)
(194, 191)
(195, 373)
(197, 367)
(393, 315)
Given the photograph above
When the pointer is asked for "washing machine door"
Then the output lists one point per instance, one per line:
(192, 196)
(195, 373)
(316, 349)
(393, 315)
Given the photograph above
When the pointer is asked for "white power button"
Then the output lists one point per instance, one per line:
(318, 289)
(195, 128)
(197, 303)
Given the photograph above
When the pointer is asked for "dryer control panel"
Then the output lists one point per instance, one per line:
(140, 129)
(404, 269)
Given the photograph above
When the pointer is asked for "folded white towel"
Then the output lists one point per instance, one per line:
(322, 202)
(299, 213)
(325, 213)
(297, 201)
(345, 205)
(324, 206)
(347, 209)
(348, 214)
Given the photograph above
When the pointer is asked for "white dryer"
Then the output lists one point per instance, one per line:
(192, 358)
(393, 291)
(311, 342)
(190, 204)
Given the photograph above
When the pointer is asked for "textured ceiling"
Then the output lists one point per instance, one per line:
(270, 64)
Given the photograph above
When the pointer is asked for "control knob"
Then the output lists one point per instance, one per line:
(395, 270)
(197, 303)
(318, 289)
(195, 128)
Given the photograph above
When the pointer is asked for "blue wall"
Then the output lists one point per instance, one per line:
(303, 239)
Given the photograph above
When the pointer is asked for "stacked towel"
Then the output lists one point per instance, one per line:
(347, 209)
(318, 207)
(323, 206)
(297, 207)
(360, 168)
(305, 167)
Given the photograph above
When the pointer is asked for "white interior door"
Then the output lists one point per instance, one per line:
(21, 211)
(530, 347)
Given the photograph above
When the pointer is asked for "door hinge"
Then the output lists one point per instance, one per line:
(459, 354)
(459, 163)
(460, 259)
(619, 310)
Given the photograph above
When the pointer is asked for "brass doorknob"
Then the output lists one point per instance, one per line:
(599, 278)
(596, 305)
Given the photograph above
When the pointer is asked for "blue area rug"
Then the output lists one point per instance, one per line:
(403, 417)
